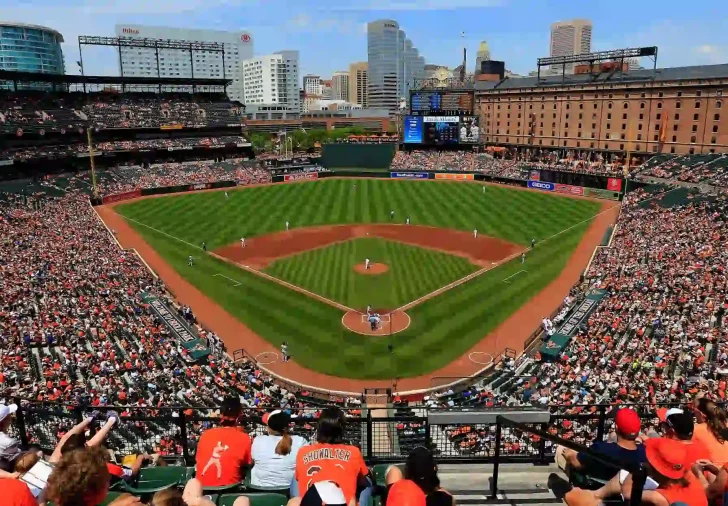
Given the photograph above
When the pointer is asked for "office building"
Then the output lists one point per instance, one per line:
(570, 37)
(359, 83)
(327, 89)
(393, 64)
(142, 62)
(312, 85)
(482, 55)
(340, 85)
(30, 48)
(271, 84)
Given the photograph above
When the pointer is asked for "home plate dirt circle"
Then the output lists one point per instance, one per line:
(374, 269)
(391, 323)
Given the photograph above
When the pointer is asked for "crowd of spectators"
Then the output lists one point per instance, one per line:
(709, 169)
(32, 112)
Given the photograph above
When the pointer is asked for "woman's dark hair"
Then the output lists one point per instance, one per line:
(74, 442)
(230, 411)
(421, 468)
(716, 418)
(331, 426)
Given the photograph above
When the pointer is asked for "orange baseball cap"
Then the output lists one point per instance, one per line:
(667, 456)
(406, 493)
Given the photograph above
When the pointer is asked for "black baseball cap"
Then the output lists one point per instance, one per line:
(682, 423)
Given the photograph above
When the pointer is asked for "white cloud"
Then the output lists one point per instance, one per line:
(418, 5)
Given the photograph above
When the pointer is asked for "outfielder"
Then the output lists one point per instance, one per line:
(288, 225)
(407, 221)
(227, 196)
(204, 246)
(483, 188)
(475, 233)
(523, 257)
(533, 243)
(366, 264)
(242, 242)
(190, 261)
(391, 214)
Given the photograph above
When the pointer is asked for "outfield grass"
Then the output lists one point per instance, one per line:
(442, 328)
(413, 272)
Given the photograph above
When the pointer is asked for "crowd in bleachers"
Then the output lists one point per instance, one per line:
(710, 169)
(32, 112)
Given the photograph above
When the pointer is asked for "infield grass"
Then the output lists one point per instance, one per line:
(413, 272)
(443, 328)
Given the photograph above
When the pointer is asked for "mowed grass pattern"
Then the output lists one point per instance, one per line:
(442, 328)
(413, 272)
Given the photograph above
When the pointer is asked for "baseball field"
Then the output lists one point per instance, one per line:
(297, 285)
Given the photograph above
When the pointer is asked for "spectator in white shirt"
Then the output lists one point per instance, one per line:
(274, 454)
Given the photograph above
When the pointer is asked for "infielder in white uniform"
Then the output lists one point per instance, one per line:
(366, 264)
(226, 195)
(242, 242)
(475, 233)
(288, 225)
(407, 221)
(190, 261)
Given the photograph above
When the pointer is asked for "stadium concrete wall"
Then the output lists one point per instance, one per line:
(361, 156)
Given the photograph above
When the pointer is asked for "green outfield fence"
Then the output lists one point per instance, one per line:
(365, 156)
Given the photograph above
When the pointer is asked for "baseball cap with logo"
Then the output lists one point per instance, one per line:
(628, 422)
(682, 423)
(6, 410)
(277, 420)
(667, 457)
(324, 493)
(406, 493)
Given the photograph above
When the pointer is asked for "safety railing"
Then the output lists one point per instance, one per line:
(455, 435)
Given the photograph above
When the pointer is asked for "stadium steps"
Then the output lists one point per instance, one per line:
(518, 484)
(37, 365)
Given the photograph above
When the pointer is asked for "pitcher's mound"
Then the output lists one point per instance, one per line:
(390, 323)
(373, 270)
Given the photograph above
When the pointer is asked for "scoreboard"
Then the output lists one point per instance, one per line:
(454, 103)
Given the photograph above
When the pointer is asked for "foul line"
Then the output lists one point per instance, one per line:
(513, 275)
(482, 271)
(237, 283)
(254, 271)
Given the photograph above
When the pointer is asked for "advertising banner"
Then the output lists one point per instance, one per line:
(409, 175)
(614, 184)
(569, 190)
(119, 197)
(200, 186)
(540, 185)
(534, 175)
(301, 176)
(456, 177)
(413, 130)
(601, 194)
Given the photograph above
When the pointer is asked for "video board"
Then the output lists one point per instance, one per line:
(441, 103)
(440, 130)
(469, 130)
(413, 129)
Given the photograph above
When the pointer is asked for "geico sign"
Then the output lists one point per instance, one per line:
(539, 185)
(130, 31)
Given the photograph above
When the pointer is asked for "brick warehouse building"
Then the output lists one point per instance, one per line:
(672, 110)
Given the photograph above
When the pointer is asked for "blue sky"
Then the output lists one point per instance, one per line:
(330, 34)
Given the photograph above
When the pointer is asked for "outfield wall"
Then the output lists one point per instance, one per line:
(366, 156)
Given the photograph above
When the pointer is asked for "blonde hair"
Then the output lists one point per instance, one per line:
(26, 462)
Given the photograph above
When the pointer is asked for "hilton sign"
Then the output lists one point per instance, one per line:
(130, 31)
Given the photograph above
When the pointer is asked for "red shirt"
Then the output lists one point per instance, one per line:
(220, 454)
(16, 493)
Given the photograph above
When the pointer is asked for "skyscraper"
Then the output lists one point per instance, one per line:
(340, 85)
(570, 37)
(359, 83)
(482, 55)
(394, 63)
(142, 62)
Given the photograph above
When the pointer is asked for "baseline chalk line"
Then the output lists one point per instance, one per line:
(237, 283)
(514, 275)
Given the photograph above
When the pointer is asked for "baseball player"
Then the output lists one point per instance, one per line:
(242, 242)
(475, 233)
(369, 309)
(204, 246)
(284, 351)
(523, 257)
(190, 261)
(483, 188)
(391, 214)
(407, 221)
(226, 196)
(366, 264)
(288, 225)
(533, 243)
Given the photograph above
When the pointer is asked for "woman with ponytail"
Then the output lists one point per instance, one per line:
(274, 454)
(712, 429)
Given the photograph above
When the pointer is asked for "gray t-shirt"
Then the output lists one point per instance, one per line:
(9, 449)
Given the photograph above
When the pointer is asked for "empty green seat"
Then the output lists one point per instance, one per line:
(154, 479)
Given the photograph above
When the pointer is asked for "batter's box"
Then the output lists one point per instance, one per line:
(383, 317)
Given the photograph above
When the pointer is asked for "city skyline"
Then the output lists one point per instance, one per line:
(517, 35)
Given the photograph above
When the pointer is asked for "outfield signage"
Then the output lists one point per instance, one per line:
(540, 185)
(614, 184)
(456, 177)
(301, 176)
(110, 199)
(534, 175)
(409, 175)
(601, 194)
(569, 190)
(200, 186)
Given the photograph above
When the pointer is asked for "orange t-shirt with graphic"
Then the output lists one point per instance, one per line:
(342, 464)
(220, 454)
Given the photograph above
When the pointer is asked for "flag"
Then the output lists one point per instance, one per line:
(663, 129)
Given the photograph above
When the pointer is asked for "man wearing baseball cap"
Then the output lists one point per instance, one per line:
(9, 446)
(628, 424)
(678, 425)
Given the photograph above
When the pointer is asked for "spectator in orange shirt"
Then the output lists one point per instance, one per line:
(712, 430)
(223, 453)
(329, 459)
